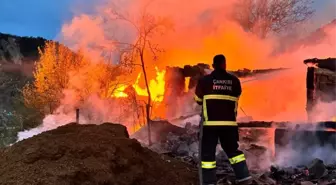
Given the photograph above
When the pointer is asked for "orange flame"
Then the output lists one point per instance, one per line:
(156, 87)
(186, 84)
(119, 91)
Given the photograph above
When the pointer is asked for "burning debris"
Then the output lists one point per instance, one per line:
(257, 146)
(184, 144)
(316, 172)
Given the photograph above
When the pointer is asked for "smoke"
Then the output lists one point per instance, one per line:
(196, 32)
(291, 156)
(279, 98)
(50, 122)
(324, 111)
(199, 32)
(93, 110)
(181, 106)
(299, 146)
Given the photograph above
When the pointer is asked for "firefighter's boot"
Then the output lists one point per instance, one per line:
(239, 166)
(209, 176)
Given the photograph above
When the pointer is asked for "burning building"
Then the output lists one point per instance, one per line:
(318, 138)
(321, 83)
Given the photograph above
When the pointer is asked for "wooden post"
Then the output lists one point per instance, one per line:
(77, 116)
(310, 84)
(148, 125)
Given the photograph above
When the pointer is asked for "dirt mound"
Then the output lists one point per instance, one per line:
(159, 130)
(89, 154)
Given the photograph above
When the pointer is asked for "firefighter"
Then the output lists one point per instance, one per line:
(218, 93)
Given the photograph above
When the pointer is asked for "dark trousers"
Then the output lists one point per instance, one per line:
(228, 137)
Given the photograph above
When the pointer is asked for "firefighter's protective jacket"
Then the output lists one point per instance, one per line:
(219, 93)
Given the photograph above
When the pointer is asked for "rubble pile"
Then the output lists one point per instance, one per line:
(314, 173)
(184, 146)
(89, 154)
(160, 130)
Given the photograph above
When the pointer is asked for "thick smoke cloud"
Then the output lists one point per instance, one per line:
(197, 31)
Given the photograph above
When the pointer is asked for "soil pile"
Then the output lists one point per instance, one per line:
(89, 154)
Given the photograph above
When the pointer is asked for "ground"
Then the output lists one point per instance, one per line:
(105, 155)
(89, 154)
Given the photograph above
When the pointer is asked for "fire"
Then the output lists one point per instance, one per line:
(186, 84)
(156, 87)
(119, 91)
(197, 35)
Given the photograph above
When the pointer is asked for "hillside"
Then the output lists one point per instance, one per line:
(17, 54)
(27, 46)
(17, 57)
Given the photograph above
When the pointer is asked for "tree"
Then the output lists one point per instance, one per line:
(263, 17)
(50, 77)
(142, 49)
(59, 69)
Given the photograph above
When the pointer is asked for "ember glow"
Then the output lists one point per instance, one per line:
(186, 84)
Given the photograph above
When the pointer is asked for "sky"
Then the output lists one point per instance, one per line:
(33, 17)
(44, 18)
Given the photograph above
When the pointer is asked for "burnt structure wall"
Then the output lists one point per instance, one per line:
(174, 100)
(176, 77)
(320, 83)
(325, 85)
(310, 84)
